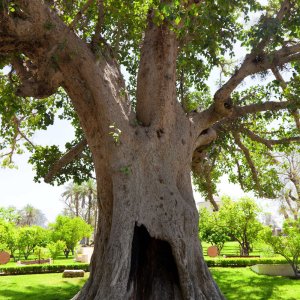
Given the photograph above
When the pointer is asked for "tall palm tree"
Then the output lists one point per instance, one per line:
(89, 191)
(81, 200)
(71, 197)
(30, 215)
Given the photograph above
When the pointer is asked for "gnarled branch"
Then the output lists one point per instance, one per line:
(80, 13)
(67, 158)
(256, 61)
(249, 160)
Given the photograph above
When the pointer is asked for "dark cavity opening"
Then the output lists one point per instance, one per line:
(153, 273)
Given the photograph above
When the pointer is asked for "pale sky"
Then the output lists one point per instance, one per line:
(17, 185)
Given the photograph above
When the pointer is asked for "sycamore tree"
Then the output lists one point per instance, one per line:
(142, 139)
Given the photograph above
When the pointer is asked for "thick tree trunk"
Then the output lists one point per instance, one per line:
(147, 244)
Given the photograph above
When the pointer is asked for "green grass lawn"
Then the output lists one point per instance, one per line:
(235, 283)
(39, 286)
(232, 248)
(242, 283)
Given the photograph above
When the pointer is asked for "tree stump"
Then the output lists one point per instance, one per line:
(73, 273)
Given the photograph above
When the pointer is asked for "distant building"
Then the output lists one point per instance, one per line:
(206, 204)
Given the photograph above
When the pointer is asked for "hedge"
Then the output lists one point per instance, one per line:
(211, 262)
(242, 262)
(39, 269)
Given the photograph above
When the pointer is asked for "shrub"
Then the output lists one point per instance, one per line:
(39, 269)
(242, 262)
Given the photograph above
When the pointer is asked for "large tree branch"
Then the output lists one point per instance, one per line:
(241, 111)
(249, 160)
(80, 13)
(94, 84)
(67, 158)
(253, 64)
(99, 25)
(267, 142)
(256, 61)
(38, 79)
(156, 82)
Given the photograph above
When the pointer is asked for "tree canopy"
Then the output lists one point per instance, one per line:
(211, 37)
(70, 231)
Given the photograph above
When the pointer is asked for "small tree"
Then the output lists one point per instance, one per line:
(287, 244)
(241, 219)
(55, 248)
(8, 237)
(71, 231)
(212, 229)
(40, 253)
(31, 237)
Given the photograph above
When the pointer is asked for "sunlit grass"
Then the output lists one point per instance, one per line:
(39, 286)
(242, 283)
(235, 283)
(232, 248)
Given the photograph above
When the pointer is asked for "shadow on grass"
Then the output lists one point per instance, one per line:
(66, 290)
(245, 284)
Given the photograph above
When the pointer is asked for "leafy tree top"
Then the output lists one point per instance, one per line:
(241, 119)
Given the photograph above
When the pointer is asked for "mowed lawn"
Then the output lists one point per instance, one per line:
(235, 283)
(39, 286)
(242, 283)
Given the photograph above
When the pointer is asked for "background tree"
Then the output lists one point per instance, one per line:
(289, 171)
(71, 231)
(81, 200)
(8, 231)
(212, 229)
(30, 215)
(240, 218)
(12, 239)
(56, 248)
(72, 199)
(144, 139)
(287, 244)
(31, 237)
(9, 214)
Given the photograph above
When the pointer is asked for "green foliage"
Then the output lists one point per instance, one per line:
(55, 248)
(212, 229)
(234, 221)
(9, 214)
(69, 230)
(115, 133)
(31, 237)
(287, 244)
(40, 253)
(240, 218)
